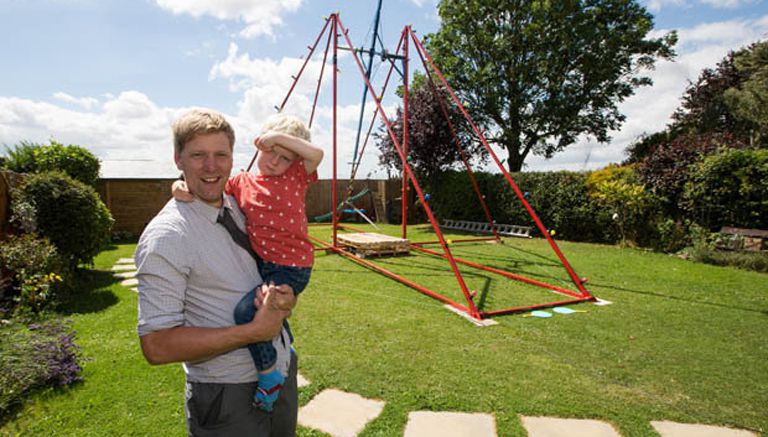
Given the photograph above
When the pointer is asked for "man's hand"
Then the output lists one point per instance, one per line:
(276, 297)
(180, 192)
(268, 318)
(189, 343)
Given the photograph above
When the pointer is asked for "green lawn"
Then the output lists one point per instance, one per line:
(682, 341)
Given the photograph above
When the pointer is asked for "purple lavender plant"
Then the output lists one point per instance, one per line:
(56, 347)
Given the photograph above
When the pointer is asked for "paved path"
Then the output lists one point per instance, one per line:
(342, 414)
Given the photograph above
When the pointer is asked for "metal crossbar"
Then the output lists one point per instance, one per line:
(485, 228)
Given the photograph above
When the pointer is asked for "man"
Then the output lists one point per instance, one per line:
(191, 275)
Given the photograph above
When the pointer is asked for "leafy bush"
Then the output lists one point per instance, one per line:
(35, 271)
(671, 235)
(124, 237)
(36, 356)
(729, 189)
(67, 212)
(757, 261)
(560, 200)
(665, 171)
(21, 159)
(76, 161)
(452, 196)
(633, 208)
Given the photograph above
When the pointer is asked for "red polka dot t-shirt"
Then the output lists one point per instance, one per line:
(276, 220)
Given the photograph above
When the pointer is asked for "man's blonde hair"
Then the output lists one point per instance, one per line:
(200, 121)
(287, 124)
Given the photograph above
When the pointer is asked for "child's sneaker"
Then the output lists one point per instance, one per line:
(269, 389)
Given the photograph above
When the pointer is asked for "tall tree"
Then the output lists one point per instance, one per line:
(537, 74)
(703, 108)
(749, 101)
(432, 147)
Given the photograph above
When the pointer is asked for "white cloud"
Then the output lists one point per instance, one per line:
(260, 17)
(244, 72)
(727, 4)
(657, 5)
(733, 33)
(83, 102)
(649, 110)
(421, 3)
(130, 134)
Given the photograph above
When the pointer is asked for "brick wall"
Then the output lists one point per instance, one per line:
(133, 202)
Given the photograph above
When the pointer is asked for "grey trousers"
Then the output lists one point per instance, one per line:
(224, 410)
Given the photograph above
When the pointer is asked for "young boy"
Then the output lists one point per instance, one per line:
(273, 204)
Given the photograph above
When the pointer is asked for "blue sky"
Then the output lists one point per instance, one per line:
(111, 75)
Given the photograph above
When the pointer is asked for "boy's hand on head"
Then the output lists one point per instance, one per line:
(265, 142)
(180, 192)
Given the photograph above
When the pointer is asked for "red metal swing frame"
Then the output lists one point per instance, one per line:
(336, 30)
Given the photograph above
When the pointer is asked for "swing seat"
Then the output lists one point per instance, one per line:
(365, 244)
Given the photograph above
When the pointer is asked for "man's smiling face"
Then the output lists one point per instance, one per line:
(206, 162)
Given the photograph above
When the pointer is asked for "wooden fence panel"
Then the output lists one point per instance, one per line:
(133, 202)
(8, 180)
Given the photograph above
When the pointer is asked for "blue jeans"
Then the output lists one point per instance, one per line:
(263, 353)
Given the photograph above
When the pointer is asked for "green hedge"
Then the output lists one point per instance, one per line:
(67, 212)
(560, 199)
(38, 275)
(729, 188)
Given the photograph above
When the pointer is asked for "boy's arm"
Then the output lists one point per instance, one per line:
(310, 153)
(180, 192)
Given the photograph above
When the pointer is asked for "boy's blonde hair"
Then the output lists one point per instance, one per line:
(200, 121)
(287, 124)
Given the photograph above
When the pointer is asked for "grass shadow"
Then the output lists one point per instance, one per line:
(678, 298)
(92, 293)
(480, 303)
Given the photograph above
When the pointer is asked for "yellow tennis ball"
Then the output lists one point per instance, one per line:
(450, 241)
(552, 232)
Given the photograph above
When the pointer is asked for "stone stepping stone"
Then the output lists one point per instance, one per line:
(125, 275)
(124, 261)
(123, 267)
(674, 429)
(444, 424)
(130, 282)
(556, 427)
(338, 413)
(301, 381)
